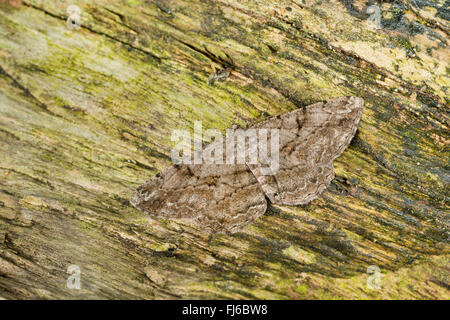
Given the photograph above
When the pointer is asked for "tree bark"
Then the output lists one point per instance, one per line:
(86, 116)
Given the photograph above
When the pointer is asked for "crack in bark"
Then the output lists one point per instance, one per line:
(62, 17)
(27, 92)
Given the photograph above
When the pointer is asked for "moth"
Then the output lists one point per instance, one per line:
(228, 197)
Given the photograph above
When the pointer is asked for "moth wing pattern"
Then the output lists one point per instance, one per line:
(229, 197)
(219, 198)
(311, 138)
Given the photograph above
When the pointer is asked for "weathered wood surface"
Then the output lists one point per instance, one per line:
(86, 116)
